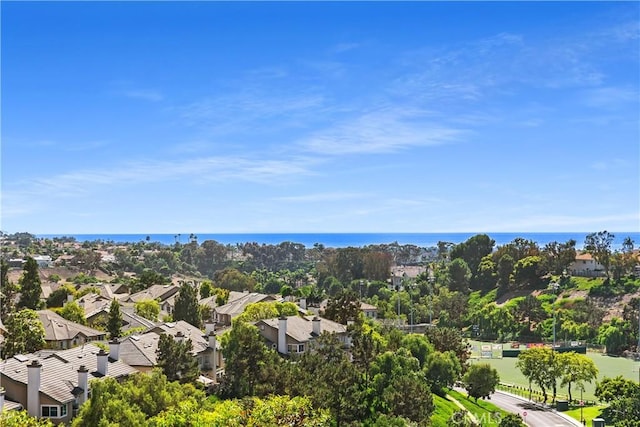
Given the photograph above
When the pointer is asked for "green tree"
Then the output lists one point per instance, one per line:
(286, 411)
(73, 312)
(8, 292)
(343, 307)
(267, 310)
(612, 336)
(30, 286)
(419, 346)
(458, 276)
(473, 250)
(599, 246)
(25, 333)
(22, 419)
(234, 280)
(58, 297)
(505, 269)
(149, 309)
(487, 275)
(408, 396)
(528, 271)
(576, 369)
(442, 370)
(450, 339)
(206, 288)
(246, 358)
(187, 307)
(148, 278)
(623, 396)
(540, 367)
(114, 322)
(133, 401)
(511, 420)
(610, 389)
(331, 380)
(176, 359)
(558, 256)
(481, 380)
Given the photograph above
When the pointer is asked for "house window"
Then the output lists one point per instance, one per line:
(295, 348)
(51, 411)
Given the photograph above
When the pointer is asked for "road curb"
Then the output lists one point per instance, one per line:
(560, 414)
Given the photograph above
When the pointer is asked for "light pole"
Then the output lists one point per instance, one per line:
(410, 288)
(398, 298)
(581, 406)
(432, 279)
(554, 286)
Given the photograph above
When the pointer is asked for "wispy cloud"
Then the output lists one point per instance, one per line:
(344, 47)
(199, 170)
(380, 131)
(323, 197)
(144, 94)
(603, 165)
(236, 113)
(611, 97)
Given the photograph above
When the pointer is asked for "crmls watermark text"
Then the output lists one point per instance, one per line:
(484, 419)
(487, 419)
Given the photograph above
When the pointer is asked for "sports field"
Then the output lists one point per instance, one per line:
(607, 367)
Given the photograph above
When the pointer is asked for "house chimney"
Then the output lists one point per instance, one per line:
(209, 326)
(83, 383)
(33, 388)
(1, 400)
(114, 349)
(179, 337)
(212, 339)
(303, 303)
(316, 325)
(103, 362)
(282, 335)
(214, 355)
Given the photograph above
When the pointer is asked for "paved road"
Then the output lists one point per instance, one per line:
(537, 416)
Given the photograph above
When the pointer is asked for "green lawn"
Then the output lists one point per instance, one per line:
(588, 412)
(443, 411)
(483, 410)
(607, 367)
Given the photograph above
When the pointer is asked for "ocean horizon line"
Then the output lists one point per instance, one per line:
(341, 239)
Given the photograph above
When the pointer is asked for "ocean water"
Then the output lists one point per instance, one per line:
(341, 240)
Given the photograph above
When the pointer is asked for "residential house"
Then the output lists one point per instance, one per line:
(156, 292)
(140, 351)
(224, 313)
(60, 333)
(296, 334)
(96, 307)
(369, 311)
(53, 385)
(44, 261)
(110, 291)
(402, 274)
(585, 265)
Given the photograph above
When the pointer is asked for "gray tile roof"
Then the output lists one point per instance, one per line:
(140, 350)
(159, 292)
(59, 372)
(300, 328)
(200, 343)
(57, 328)
(237, 306)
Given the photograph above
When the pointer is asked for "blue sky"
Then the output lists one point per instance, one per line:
(162, 117)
